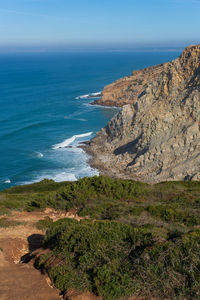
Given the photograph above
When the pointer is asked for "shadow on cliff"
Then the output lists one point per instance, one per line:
(192, 84)
(132, 149)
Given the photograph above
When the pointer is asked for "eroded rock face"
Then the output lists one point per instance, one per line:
(126, 90)
(155, 137)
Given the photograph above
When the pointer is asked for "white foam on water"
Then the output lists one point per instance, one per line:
(70, 140)
(64, 143)
(40, 155)
(82, 97)
(81, 119)
(91, 95)
(92, 106)
(7, 181)
(96, 94)
(57, 177)
(84, 134)
(64, 176)
(72, 161)
(80, 169)
(75, 149)
(37, 155)
(87, 171)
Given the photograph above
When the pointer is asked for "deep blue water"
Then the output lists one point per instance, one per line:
(38, 109)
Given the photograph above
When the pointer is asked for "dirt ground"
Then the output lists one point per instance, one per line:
(18, 280)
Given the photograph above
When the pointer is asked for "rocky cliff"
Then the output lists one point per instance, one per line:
(156, 136)
(126, 90)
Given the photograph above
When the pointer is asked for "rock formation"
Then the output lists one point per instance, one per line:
(156, 136)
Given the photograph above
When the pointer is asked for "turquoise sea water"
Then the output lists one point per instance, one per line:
(40, 107)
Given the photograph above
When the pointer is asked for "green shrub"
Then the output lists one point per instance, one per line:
(170, 214)
(44, 224)
(115, 260)
(68, 195)
(171, 269)
(98, 253)
(137, 239)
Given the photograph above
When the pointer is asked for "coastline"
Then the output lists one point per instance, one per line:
(104, 163)
(56, 117)
(107, 103)
(94, 160)
(154, 138)
(106, 166)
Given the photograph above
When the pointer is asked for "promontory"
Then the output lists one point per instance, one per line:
(156, 135)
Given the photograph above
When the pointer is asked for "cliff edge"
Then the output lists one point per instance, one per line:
(156, 136)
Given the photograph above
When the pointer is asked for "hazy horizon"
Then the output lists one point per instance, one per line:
(49, 48)
(90, 25)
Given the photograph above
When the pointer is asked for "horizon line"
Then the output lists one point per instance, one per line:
(71, 48)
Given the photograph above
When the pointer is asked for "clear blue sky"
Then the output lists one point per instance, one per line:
(113, 23)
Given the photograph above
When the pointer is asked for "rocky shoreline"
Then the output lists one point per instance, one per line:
(103, 161)
(156, 136)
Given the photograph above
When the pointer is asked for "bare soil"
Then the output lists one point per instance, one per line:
(18, 280)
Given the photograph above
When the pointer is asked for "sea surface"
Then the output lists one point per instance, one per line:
(45, 115)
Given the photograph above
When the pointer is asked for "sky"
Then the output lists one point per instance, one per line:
(62, 24)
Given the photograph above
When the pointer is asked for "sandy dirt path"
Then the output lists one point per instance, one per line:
(21, 281)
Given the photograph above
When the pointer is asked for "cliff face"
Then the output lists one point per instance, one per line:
(126, 90)
(156, 136)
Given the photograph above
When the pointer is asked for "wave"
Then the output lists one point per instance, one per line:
(59, 177)
(76, 119)
(74, 165)
(81, 119)
(89, 96)
(70, 140)
(7, 181)
(64, 176)
(39, 154)
(25, 128)
(88, 105)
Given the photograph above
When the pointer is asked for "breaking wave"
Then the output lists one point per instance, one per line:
(70, 140)
(7, 181)
(89, 96)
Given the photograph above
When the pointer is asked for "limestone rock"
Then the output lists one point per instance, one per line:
(156, 136)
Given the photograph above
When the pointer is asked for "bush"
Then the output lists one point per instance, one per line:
(137, 239)
(171, 269)
(170, 214)
(115, 260)
(98, 253)
(44, 224)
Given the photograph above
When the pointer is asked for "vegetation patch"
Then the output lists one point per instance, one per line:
(5, 222)
(134, 238)
(115, 260)
(95, 256)
(44, 223)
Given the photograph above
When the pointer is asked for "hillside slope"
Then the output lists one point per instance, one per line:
(105, 238)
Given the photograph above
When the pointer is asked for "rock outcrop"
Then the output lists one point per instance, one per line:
(156, 136)
(126, 90)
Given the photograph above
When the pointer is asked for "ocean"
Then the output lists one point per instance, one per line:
(45, 113)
